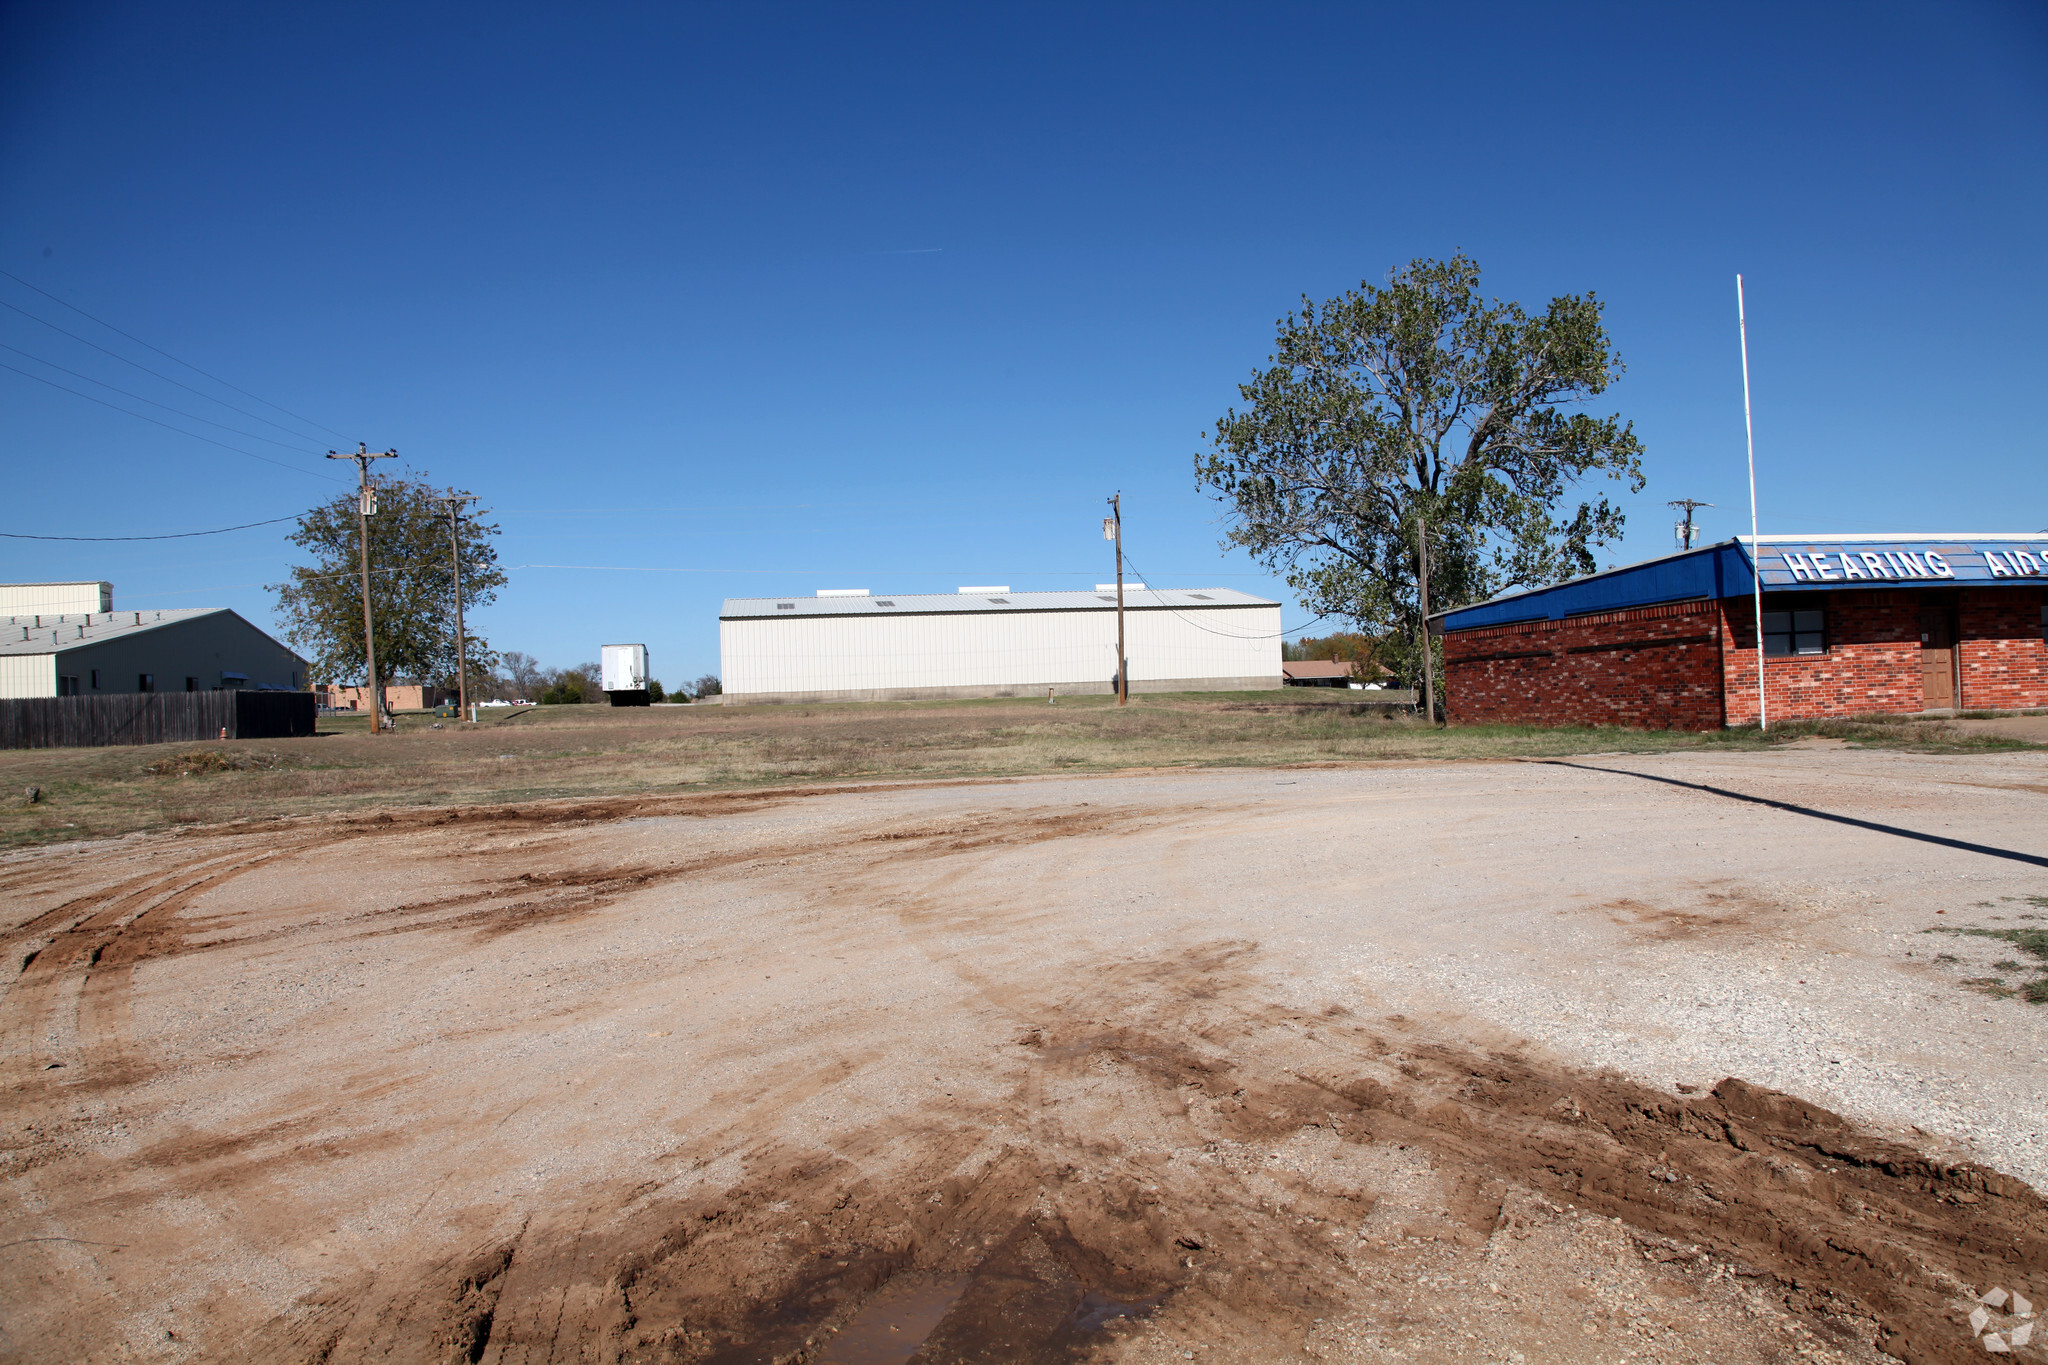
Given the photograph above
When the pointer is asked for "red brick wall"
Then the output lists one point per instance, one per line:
(1606, 668)
(2004, 661)
(1872, 663)
(1582, 671)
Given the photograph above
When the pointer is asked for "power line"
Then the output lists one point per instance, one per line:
(180, 535)
(167, 426)
(189, 416)
(1283, 633)
(165, 354)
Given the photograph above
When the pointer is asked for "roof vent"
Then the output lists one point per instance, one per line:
(842, 592)
(992, 588)
(785, 606)
(883, 602)
(1105, 598)
(1000, 601)
(1201, 597)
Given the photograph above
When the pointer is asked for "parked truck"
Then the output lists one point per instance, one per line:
(625, 674)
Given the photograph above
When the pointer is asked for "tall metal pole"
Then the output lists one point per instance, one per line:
(1756, 549)
(366, 503)
(1428, 664)
(1123, 662)
(461, 645)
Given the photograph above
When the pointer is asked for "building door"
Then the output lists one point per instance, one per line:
(1937, 658)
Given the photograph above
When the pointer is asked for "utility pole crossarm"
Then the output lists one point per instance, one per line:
(1686, 505)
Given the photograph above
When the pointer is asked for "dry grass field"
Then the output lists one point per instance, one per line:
(594, 751)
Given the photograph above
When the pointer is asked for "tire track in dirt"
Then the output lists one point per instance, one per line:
(1137, 1169)
(79, 961)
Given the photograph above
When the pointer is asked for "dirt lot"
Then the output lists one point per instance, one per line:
(1684, 1057)
(536, 753)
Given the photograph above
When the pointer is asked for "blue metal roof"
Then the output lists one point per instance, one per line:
(1789, 564)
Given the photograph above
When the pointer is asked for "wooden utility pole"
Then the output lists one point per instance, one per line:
(1428, 665)
(1113, 529)
(366, 504)
(455, 503)
(1686, 505)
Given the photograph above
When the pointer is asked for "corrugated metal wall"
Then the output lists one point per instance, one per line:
(28, 675)
(51, 599)
(994, 649)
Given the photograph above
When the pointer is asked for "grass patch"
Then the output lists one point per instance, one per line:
(529, 753)
(2032, 942)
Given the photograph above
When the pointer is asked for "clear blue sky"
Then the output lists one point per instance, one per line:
(768, 298)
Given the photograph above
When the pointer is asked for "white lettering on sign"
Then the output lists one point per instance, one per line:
(1815, 566)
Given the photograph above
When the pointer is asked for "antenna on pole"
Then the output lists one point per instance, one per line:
(1684, 528)
(1756, 572)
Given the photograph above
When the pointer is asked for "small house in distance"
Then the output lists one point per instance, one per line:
(1318, 672)
(848, 645)
(1916, 623)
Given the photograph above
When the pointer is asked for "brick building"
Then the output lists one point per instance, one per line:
(1852, 625)
(397, 697)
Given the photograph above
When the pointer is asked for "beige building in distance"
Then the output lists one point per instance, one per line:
(66, 640)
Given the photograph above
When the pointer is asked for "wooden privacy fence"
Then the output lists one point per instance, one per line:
(152, 718)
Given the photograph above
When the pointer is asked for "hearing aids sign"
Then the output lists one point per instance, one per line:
(1786, 565)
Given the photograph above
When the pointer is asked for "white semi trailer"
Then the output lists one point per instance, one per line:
(625, 674)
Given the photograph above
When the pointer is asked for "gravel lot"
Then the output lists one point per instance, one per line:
(1353, 1062)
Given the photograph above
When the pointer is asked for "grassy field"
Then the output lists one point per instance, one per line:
(595, 751)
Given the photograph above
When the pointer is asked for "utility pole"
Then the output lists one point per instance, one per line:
(1113, 529)
(366, 504)
(1428, 665)
(1685, 528)
(455, 503)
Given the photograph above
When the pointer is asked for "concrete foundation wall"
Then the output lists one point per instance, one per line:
(970, 692)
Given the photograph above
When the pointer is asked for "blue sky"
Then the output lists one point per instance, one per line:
(749, 300)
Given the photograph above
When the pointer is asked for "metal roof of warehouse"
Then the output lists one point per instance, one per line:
(960, 604)
(1723, 570)
(53, 634)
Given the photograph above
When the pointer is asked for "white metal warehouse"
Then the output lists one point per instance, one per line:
(66, 640)
(990, 642)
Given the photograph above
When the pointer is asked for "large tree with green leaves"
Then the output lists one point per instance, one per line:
(1421, 403)
(412, 587)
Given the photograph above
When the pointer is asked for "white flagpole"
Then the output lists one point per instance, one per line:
(1756, 571)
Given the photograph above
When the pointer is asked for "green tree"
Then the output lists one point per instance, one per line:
(412, 590)
(1421, 402)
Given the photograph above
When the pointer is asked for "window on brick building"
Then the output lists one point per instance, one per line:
(2044, 621)
(1795, 632)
